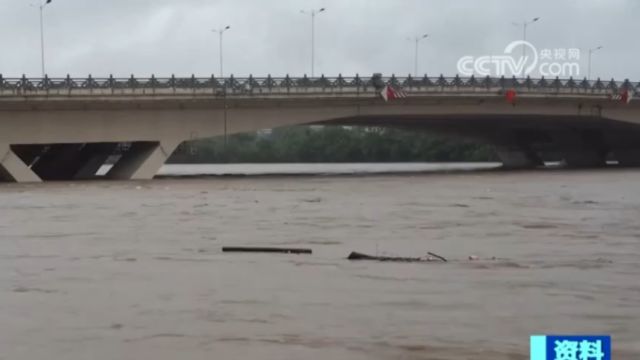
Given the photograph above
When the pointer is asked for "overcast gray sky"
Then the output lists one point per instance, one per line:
(164, 37)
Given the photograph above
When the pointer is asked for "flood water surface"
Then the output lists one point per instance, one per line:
(134, 270)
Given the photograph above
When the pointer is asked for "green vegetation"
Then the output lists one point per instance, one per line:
(332, 144)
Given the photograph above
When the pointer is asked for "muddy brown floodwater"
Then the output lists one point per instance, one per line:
(134, 270)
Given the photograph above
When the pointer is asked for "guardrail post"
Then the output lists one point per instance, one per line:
(528, 83)
(557, 84)
(571, 84)
(153, 84)
(514, 82)
(68, 83)
(132, 84)
(45, 84)
(111, 84)
(626, 85)
(23, 87)
(212, 79)
(457, 82)
(442, 82)
(269, 83)
(90, 84)
(473, 83)
(287, 81)
(502, 82)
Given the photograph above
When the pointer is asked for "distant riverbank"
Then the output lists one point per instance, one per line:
(312, 169)
(332, 144)
(176, 170)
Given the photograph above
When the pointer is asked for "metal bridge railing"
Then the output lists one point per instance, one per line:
(69, 86)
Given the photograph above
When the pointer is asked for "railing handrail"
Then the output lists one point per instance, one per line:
(251, 83)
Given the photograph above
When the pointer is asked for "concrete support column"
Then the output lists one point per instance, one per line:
(514, 148)
(29, 153)
(12, 168)
(93, 156)
(627, 156)
(580, 158)
(581, 148)
(142, 161)
(518, 157)
(625, 145)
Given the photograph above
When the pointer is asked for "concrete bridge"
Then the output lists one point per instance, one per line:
(66, 128)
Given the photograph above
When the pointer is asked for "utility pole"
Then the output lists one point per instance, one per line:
(525, 24)
(313, 35)
(41, 7)
(591, 51)
(221, 33)
(417, 40)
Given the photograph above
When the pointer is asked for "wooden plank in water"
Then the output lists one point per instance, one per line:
(265, 250)
(360, 256)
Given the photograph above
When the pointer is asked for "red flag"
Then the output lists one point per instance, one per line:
(389, 93)
(510, 95)
(624, 97)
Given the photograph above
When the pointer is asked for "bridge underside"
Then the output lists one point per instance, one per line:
(530, 141)
(527, 142)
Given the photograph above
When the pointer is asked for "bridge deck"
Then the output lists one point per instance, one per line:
(66, 127)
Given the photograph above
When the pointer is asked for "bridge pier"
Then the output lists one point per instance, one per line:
(94, 156)
(29, 153)
(513, 147)
(625, 146)
(13, 169)
(584, 158)
(518, 157)
(142, 161)
(581, 148)
(627, 156)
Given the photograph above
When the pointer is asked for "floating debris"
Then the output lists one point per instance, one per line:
(266, 250)
(460, 205)
(360, 256)
(436, 256)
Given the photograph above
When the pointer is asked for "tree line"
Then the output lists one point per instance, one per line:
(309, 144)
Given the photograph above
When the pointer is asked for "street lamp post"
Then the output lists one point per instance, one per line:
(313, 35)
(591, 51)
(41, 8)
(417, 40)
(221, 33)
(525, 24)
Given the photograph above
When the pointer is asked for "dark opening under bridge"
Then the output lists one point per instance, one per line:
(66, 128)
